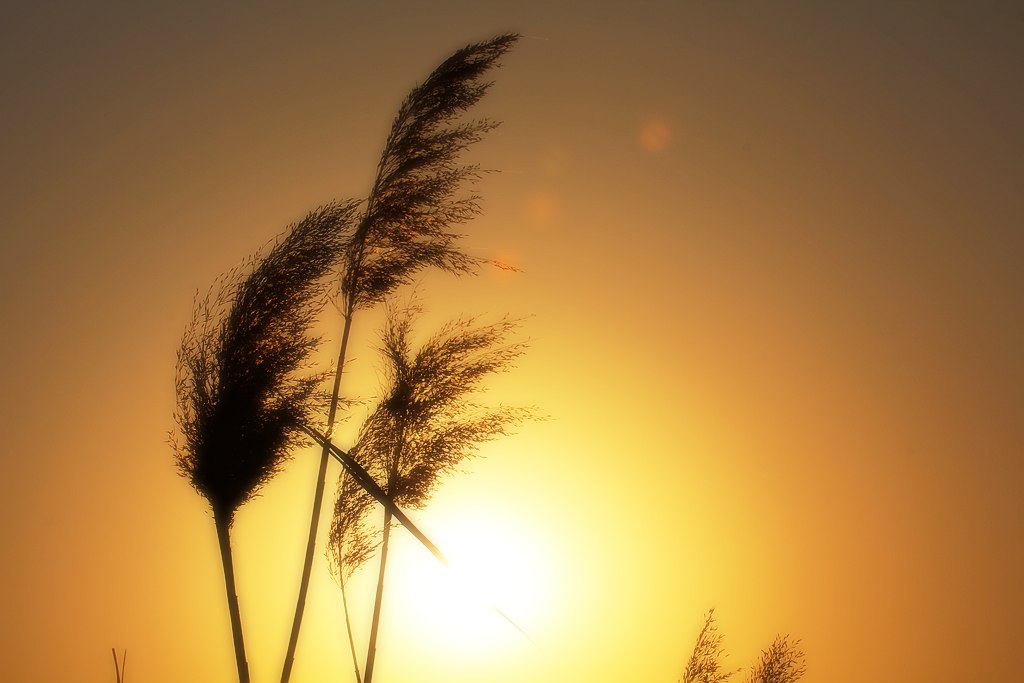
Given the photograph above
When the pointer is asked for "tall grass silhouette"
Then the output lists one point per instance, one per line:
(424, 426)
(242, 392)
(407, 223)
(247, 394)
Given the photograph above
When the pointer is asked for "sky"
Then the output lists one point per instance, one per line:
(770, 269)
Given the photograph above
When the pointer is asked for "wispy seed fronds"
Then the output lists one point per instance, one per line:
(239, 393)
(415, 198)
(351, 541)
(782, 662)
(704, 665)
(426, 423)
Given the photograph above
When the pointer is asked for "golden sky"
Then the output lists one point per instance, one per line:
(771, 258)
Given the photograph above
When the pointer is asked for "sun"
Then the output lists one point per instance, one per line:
(491, 597)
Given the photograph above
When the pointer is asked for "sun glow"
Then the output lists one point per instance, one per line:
(495, 570)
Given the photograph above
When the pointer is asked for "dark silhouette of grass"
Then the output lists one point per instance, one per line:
(119, 671)
(246, 396)
(705, 665)
(241, 388)
(424, 426)
(408, 222)
(782, 662)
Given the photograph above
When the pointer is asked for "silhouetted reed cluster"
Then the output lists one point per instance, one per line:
(248, 395)
(244, 386)
(782, 662)
(417, 198)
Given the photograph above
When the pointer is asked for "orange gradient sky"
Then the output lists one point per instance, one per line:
(771, 258)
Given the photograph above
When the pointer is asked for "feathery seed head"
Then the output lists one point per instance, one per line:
(413, 205)
(426, 422)
(239, 396)
(782, 662)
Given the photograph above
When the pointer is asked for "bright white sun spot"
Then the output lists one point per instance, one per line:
(492, 565)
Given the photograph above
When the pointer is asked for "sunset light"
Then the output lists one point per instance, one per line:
(666, 343)
(492, 568)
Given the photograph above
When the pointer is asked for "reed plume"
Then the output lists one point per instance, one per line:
(241, 394)
(408, 220)
(782, 662)
(414, 202)
(704, 665)
(425, 425)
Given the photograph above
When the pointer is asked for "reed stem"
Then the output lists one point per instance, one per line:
(371, 653)
(318, 499)
(348, 627)
(224, 538)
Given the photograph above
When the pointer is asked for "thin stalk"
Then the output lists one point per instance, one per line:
(223, 536)
(318, 499)
(325, 456)
(371, 652)
(348, 627)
